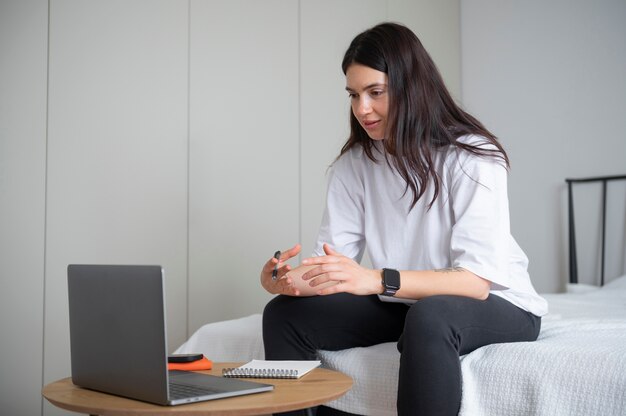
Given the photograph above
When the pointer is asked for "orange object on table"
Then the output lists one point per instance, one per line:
(202, 364)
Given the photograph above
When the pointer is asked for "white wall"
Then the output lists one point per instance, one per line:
(23, 60)
(548, 78)
(194, 135)
(117, 151)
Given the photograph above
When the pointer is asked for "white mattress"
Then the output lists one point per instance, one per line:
(576, 367)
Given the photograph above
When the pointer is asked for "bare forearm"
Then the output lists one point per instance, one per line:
(454, 281)
(350, 277)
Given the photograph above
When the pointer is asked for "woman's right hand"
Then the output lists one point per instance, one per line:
(282, 284)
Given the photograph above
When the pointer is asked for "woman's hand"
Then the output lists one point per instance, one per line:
(282, 284)
(303, 287)
(350, 276)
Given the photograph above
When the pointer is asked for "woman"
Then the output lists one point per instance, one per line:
(423, 185)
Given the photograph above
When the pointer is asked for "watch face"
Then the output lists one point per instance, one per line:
(391, 281)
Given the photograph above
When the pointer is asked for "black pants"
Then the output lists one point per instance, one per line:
(431, 335)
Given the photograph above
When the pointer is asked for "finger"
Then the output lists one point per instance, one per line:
(331, 290)
(320, 270)
(291, 291)
(293, 251)
(321, 260)
(268, 267)
(286, 287)
(329, 251)
(278, 255)
(332, 277)
(282, 271)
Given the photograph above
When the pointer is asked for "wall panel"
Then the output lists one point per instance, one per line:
(23, 52)
(438, 26)
(117, 164)
(244, 180)
(325, 106)
(556, 96)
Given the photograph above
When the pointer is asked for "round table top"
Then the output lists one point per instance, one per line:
(317, 387)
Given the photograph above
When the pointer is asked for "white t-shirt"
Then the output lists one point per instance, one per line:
(468, 225)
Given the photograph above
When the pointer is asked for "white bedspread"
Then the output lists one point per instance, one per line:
(577, 367)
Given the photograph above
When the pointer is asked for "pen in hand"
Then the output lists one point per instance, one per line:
(275, 271)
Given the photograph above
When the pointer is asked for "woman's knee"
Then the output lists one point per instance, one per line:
(430, 312)
(282, 338)
(278, 311)
(427, 322)
(271, 308)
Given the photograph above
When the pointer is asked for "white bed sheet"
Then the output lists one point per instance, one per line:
(577, 366)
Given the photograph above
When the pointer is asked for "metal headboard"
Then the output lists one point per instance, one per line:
(573, 261)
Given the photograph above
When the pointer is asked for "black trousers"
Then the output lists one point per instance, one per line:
(431, 335)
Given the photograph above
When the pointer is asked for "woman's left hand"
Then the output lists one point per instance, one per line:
(351, 276)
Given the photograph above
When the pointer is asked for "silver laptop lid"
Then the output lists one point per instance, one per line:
(117, 330)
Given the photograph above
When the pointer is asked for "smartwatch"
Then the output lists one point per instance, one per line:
(391, 282)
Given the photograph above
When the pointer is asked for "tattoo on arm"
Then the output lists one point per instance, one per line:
(450, 270)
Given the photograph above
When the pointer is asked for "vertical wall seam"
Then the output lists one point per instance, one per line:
(461, 51)
(187, 260)
(45, 210)
(300, 185)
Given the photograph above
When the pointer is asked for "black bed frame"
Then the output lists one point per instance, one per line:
(573, 261)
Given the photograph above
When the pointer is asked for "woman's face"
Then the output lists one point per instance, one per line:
(367, 88)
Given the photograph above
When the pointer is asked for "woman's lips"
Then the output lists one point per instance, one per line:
(370, 124)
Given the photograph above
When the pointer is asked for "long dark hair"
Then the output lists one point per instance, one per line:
(422, 115)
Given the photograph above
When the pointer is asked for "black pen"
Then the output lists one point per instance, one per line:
(275, 271)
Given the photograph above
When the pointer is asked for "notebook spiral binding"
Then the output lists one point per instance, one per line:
(259, 373)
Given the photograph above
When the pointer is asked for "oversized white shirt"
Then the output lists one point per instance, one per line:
(467, 226)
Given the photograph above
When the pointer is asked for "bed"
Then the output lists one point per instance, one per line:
(576, 367)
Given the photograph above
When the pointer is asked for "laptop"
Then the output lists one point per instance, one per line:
(119, 344)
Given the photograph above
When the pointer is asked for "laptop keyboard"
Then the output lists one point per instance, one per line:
(181, 391)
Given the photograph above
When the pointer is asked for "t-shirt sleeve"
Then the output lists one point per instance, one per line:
(480, 235)
(342, 222)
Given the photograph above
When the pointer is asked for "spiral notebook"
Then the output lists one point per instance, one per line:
(272, 369)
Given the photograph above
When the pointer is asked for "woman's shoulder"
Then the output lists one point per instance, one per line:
(356, 158)
(476, 141)
(345, 166)
(470, 147)
(472, 150)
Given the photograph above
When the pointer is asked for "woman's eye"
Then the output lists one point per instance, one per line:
(352, 95)
(376, 93)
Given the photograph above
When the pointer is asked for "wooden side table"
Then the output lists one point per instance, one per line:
(318, 387)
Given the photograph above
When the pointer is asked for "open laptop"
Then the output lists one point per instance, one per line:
(119, 344)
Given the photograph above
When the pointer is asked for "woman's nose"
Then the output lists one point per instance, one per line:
(363, 107)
